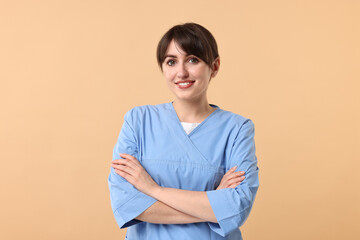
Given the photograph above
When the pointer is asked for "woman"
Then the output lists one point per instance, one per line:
(167, 178)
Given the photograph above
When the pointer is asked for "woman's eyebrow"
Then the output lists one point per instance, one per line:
(173, 56)
(170, 56)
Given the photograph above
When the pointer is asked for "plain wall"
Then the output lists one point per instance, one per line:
(70, 70)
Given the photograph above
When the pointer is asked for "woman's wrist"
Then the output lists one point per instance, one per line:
(156, 192)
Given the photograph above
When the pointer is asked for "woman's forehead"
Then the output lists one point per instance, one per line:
(175, 49)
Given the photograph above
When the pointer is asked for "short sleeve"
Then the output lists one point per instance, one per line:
(126, 201)
(232, 206)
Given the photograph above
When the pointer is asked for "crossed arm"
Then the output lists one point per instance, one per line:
(174, 206)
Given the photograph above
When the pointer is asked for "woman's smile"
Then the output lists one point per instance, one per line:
(184, 84)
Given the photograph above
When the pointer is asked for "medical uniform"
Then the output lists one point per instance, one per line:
(196, 161)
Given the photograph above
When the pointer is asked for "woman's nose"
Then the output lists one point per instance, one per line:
(182, 71)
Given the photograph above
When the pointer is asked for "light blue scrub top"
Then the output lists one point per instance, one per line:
(154, 135)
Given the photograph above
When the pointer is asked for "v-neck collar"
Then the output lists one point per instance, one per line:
(171, 106)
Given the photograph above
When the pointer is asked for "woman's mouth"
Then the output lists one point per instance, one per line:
(185, 84)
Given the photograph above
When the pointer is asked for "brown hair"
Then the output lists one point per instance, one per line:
(193, 39)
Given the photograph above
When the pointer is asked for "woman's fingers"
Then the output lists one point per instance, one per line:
(130, 158)
(234, 185)
(236, 174)
(124, 168)
(123, 164)
(230, 175)
(235, 182)
(125, 175)
(231, 170)
(127, 160)
(127, 164)
(231, 179)
(131, 169)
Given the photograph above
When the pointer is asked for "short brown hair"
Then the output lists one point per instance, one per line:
(193, 39)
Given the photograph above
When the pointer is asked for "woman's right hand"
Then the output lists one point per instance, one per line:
(231, 179)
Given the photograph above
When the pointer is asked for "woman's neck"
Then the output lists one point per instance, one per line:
(192, 111)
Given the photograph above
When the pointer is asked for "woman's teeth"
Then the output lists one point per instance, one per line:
(184, 84)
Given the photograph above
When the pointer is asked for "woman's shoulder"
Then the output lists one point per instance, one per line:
(234, 124)
(232, 118)
(141, 109)
(139, 112)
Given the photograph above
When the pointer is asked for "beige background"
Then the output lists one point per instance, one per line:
(70, 70)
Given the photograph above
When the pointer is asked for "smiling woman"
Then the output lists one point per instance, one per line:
(185, 169)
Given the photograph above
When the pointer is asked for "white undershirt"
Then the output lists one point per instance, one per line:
(188, 127)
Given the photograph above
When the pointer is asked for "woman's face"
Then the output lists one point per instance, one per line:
(187, 76)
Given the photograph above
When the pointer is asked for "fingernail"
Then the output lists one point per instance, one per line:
(242, 172)
(234, 167)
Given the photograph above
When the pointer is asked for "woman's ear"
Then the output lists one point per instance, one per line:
(215, 67)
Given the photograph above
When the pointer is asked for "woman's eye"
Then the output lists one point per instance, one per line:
(193, 60)
(170, 62)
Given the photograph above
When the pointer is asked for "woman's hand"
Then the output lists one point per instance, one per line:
(131, 169)
(231, 179)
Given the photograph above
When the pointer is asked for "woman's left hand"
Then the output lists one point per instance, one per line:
(131, 169)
